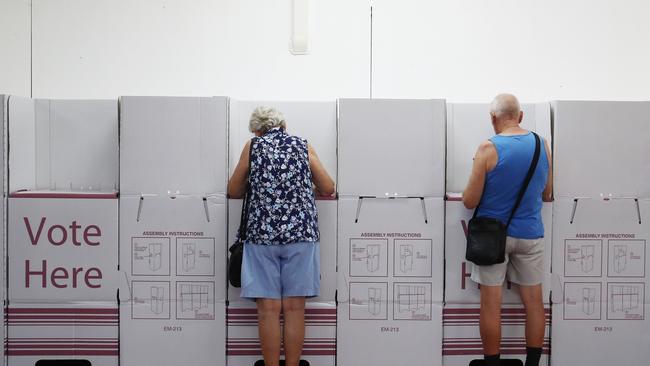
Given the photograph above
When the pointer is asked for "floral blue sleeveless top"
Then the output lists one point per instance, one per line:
(282, 208)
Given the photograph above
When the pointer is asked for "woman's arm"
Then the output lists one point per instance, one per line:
(322, 180)
(237, 183)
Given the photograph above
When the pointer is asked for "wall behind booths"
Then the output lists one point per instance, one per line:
(463, 50)
(15, 47)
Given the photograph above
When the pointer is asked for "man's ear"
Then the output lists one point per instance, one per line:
(493, 118)
(521, 116)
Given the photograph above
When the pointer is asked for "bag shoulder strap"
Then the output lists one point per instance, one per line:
(243, 220)
(529, 176)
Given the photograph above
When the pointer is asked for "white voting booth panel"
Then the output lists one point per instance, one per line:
(316, 122)
(3, 205)
(173, 215)
(601, 148)
(62, 232)
(173, 145)
(394, 147)
(600, 261)
(390, 280)
(390, 249)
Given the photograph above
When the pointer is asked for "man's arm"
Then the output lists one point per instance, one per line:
(547, 195)
(474, 190)
(237, 183)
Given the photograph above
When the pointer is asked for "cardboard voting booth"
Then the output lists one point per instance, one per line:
(173, 171)
(62, 232)
(390, 231)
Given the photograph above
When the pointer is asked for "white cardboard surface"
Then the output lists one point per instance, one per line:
(63, 280)
(63, 145)
(391, 146)
(601, 148)
(173, 299)
(174, 145)
(600, 262)
(468, 124)
(390, 264)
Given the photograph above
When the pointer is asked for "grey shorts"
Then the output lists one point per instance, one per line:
(524, 265)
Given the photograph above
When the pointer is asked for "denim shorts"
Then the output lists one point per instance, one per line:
(278, 271)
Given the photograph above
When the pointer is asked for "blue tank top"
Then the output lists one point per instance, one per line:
(282, 208)
(503, 183)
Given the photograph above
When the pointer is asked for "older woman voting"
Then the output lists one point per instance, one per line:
(281, 261)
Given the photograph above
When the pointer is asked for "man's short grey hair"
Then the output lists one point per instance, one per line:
(505, 106)
(265, 118)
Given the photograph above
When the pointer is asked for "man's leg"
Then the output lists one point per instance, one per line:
(490, 321)
(531, 296)
(268, 315)
(294, 328)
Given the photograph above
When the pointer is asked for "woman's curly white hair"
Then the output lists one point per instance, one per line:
(265, 118)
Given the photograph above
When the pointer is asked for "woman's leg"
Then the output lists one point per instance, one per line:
(268, 317)
(294, 329)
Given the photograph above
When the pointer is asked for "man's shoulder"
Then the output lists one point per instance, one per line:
(486, 147)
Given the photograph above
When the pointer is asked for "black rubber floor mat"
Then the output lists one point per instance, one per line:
(504, 362)
(261, 363)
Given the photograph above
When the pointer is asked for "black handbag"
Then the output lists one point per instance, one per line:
(237, 249)
(486, 236)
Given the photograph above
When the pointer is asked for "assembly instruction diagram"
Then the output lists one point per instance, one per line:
(583, 258)
(609, 262)
(582, 300)
(368, 257)
(195, 256)
(626, 258)
(150, 256)
(195, 300)
(159, 293)
(368, 300)
(412, 301)
(375, 293)
(150, 300)
(625, 301)
(412, 257)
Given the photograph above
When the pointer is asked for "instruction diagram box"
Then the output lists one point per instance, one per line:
(195, 256)
(412, 257)
(412, 301)
(583, 258)
(368, 257)
(368, 301)
(195, 300)
(150, 256)
(626, 258)
(150, 300)
(625, 300)
(582, 300)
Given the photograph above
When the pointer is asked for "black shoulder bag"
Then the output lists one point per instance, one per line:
(486, 236)
(237, 249)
